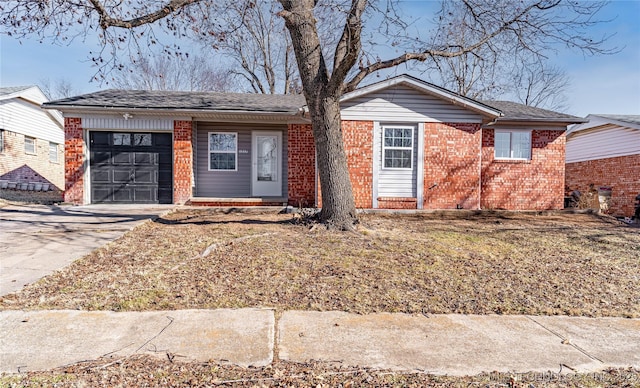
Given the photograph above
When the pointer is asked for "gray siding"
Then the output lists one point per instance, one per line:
(405, 104)
(231, 184)
(396, 183)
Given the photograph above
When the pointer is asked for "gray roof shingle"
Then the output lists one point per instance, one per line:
(141, 99)
(258, 103)
(520, 112)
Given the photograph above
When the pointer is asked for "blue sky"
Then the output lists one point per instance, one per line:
(601, 84)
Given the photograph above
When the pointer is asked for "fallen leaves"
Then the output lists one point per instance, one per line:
(567, 264)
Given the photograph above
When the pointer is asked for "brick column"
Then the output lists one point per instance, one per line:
(73, 161)
(302, 165)
(182, 161)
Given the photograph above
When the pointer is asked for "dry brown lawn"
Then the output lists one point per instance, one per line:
(149, 371)
(446, 262)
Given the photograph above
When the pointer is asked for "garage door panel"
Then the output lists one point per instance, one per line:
(101, 194)
(143, 159)
(122, 158)
(101, 158)
(144, 194)
(131, 167)
(101, 176)
(122, 176)
(123, 194)
(144, 176)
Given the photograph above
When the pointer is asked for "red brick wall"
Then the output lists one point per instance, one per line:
(621, 173)
(74, 163)
(358, 144)
(452, 161)
(182, 161)
(301, 156)
(536, 184)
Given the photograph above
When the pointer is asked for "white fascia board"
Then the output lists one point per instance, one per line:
(596, 121)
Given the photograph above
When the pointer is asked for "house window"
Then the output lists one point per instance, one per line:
(29, 145)
(1, 140)
(223, 150)
(397, 147)
(513, 145)
(53, 152)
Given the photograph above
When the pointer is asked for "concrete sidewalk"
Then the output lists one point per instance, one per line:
(441, 344)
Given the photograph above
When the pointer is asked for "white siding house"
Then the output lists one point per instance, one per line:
(31, 139)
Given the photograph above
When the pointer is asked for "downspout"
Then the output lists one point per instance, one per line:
(480, 171)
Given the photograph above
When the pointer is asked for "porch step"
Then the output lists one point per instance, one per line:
(236, 202)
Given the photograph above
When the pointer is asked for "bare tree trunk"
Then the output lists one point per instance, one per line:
(338, 206)
(322, 93)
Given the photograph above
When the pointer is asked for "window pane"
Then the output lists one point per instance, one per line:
(29, 145)
(397, 158)
(1, 140)
(142, 139)
(53, 152)
(222, 161)
(222, 142)
(121, 139)
(503, 145)
(521, 143)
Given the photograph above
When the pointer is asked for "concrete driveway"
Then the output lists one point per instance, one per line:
(36, 240)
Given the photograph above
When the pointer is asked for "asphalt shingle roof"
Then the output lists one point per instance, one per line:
(516, 111)
(141, 99)
(247, 102)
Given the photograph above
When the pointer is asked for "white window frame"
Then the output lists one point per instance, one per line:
(35, 149)
(235, 151)
(53, 147)
(385, 147)
(511, 147)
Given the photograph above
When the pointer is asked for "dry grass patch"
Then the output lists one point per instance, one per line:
(465, 262)
(148, 371)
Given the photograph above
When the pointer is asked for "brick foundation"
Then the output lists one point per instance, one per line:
(301, 158)
(397, 203)
(622, 174)
(182, 161)
(74, 163)
(536, 184)
(451, 166)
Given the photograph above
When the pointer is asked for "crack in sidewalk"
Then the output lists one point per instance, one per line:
(566, 340)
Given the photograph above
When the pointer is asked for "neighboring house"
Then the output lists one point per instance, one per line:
(605, 152)
(31, 140)
(410, 145)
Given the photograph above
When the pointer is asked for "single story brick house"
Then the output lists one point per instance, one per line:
(410, 145)
(605, 152)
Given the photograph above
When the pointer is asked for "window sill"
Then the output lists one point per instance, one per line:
(514, 161)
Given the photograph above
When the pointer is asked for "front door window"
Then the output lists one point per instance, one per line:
(267, 158)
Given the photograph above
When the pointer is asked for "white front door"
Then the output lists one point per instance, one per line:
(266, 175)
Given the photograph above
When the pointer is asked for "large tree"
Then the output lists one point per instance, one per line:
(327, 68)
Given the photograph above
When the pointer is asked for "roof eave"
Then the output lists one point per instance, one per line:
(163, 111)
(538, 121)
